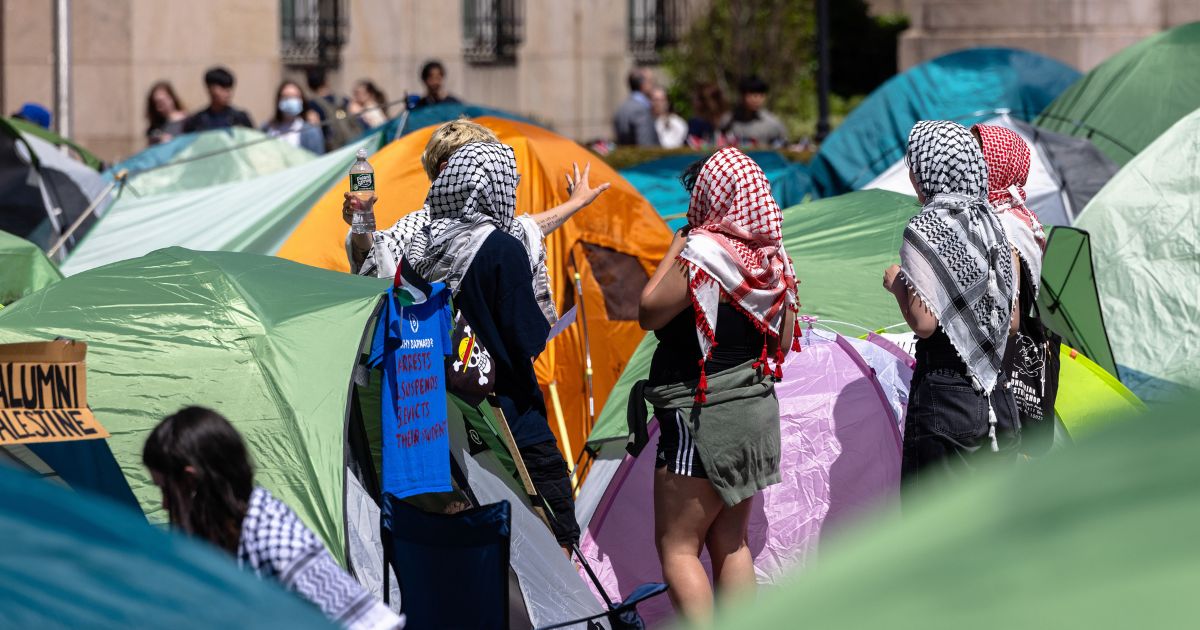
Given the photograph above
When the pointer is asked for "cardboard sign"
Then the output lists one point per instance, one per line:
(43, 394)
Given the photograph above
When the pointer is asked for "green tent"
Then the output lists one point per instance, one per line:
(268, 342)
(199, 160)
(38, 131)
(1100, 536)
(24, 269)
(253, 215)
(274, 345)
(74, 561)
(1069, 301)
(1126, 102)
(1145, 233)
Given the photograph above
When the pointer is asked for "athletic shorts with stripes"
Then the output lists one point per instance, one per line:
(676, 450)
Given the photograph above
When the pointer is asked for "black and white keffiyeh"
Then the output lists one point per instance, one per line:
(474, 195)
(276, 544)
(955, 254)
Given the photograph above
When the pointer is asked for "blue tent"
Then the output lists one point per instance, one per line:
(73, 561)
(658, 181)
(437, 114)
(967, 86)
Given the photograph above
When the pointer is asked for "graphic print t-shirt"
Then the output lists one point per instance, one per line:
(410, 345)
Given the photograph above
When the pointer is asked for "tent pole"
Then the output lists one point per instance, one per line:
(62, 67)
(587, 353)
(91, 209)
(562, 426)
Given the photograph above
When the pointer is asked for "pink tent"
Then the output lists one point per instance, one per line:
(841, 404)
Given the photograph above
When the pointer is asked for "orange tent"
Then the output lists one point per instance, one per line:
(613, 244)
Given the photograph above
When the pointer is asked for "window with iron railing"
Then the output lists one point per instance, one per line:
(655, 25)
(492, 30)
(312, 32)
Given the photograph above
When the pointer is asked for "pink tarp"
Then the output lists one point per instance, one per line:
(839, 403)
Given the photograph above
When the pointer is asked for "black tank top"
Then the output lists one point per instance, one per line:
(677, 358)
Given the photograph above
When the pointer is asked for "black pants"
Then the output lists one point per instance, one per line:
(946, 428)
(550, 477)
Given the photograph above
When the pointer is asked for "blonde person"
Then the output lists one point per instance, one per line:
(376, 254)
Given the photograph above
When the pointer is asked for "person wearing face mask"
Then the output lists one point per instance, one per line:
(288, 122)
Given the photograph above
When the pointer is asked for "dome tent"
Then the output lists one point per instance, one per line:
(966, 86)
(1145, 235)
(1123, 104)
(612, 245)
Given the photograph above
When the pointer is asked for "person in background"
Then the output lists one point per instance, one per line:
(288, 122)
(751, 122)
(378, 254)
(633, 122)
(201, 465)
(328, 111)
(433, 75)
(1027, 359)
(165, 113)
(710, 114)
(34, 113)
(672, 130)
(722, 304)
(956, 286)
(220, 113)
(369, 104)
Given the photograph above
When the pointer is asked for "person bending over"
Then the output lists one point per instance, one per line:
(201, 464)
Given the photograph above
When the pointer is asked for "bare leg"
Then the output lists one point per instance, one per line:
(733, 566)
(684, 508)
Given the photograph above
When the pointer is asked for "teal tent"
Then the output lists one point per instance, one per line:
(1123, 104)
(74, 561)
(24, 269)
(658, 181)
(1145, 235)
(1097, 536)
(967, 86)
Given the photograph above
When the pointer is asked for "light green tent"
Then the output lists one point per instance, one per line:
(268, 342)
(24, 269)
(1126, 102)
(252, 215)
(1100, 536)
(200, 160)
(273, 345)
(1145, 233)
(75, 561)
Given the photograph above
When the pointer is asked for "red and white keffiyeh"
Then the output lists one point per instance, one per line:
(1007, 156)
(735, 249)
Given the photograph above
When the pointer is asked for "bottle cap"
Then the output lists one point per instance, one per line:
(362, 154)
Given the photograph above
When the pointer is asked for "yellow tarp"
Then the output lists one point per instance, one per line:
(619, 233)
(1089, 397)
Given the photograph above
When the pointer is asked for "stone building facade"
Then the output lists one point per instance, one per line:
(1081, 33)
(561, 62)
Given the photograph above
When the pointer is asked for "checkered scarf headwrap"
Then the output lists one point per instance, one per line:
(474, 195)
(955, 253)
(735, 247)
(1007, 157)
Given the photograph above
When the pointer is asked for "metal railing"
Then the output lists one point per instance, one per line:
(492, 30)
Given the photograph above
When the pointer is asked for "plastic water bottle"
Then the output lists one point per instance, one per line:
(362, 185)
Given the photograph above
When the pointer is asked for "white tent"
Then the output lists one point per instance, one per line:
(1064, 172)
